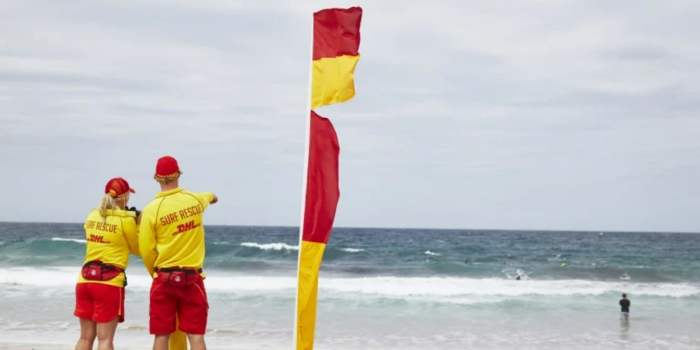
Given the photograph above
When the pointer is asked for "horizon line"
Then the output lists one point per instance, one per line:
(402, 228)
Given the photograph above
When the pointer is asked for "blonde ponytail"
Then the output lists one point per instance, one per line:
(108, 203)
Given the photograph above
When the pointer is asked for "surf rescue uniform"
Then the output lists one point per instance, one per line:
(99, 293)
(171, 241)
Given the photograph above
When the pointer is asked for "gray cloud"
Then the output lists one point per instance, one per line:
(552, 115)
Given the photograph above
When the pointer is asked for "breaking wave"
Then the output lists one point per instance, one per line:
(74, 240)
(430, 288)
(352, 250)
(270, 246)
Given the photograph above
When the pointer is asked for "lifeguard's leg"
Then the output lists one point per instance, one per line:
(161, 342)
(105, 335)
(87, 335)
(197, 342)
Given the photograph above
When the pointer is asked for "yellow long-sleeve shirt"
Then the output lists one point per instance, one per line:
(171, 233)
(110, 239)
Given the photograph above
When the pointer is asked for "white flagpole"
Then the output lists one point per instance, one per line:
(304, 180)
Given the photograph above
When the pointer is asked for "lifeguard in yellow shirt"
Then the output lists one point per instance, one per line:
(171, 242)
(110, 234)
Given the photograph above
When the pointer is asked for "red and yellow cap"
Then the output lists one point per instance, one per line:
(117, 186)
(167, 166)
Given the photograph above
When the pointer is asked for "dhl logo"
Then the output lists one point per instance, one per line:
(186, 227)
(97, 239)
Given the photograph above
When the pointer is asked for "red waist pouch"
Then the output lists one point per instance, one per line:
(180, 277)
(98, 271)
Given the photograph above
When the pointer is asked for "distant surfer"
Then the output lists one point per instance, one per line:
(625, 307)
(171, 241)
(110, 234)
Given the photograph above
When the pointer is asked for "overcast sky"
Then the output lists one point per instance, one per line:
(469, 114)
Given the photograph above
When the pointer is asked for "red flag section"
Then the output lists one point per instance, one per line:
(322, 190)
(337, 32)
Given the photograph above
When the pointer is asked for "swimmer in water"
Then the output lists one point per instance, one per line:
(625, 307)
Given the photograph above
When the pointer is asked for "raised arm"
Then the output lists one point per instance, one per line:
(207, 198)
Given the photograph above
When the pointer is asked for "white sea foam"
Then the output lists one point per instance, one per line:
(270, 246)
(426, 288)
(352, 250)
(428, 252)
(60, 239)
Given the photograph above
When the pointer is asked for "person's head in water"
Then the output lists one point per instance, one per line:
(167, 173)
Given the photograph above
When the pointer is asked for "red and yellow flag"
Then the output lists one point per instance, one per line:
(335, 55)
(322, 195)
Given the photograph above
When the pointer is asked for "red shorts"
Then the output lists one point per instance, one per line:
(99, 302)
(187, 300)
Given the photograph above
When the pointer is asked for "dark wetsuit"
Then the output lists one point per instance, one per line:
(625, 305)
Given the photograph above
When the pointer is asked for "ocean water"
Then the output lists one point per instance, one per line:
(388, 289)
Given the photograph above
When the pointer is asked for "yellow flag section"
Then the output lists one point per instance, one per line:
(333, 80)
(335, 55)
(307, 293)
(322, 195)
(177, 341)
